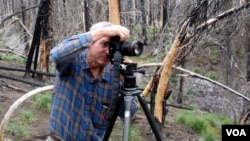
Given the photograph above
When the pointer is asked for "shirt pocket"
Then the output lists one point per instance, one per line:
(99, 116)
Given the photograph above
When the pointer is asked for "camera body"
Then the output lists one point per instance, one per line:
(134, 48)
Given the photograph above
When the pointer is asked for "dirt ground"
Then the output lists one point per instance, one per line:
(11, 90)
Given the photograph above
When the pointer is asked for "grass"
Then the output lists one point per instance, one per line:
(197, 70)
(134, 132)
(18, 129)
(1, 111)
(43, 101)
(207, 125)
(12, 58)
(212, 75)
(28, 116)
(214, 54)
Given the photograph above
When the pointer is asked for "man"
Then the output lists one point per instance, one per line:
(83, 85)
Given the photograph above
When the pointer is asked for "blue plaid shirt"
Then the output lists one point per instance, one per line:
(79, 100)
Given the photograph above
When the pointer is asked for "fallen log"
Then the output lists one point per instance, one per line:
(23, 70)
(21, 80)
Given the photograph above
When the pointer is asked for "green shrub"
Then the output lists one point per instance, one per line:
(211, 75)
(43, 101)
(1, 110)
(28, 116)
(12, 58)
(18, 129)
(134, 133)
(197, 70)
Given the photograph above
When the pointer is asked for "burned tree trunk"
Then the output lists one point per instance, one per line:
(165, 13)
(42, 15)
(47, 40)
(144, 30)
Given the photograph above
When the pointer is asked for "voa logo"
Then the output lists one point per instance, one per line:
(236, 132)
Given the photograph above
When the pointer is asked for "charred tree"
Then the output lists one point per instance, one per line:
(47, 40)
(165, 13)
(43, 13)
(144, 30)
(87, 16)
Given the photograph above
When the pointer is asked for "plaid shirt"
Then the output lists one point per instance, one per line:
(79, 100)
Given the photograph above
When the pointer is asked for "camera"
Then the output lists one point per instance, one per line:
(134, 48)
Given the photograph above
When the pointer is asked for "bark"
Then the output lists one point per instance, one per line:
(168, 62)
(114, 11)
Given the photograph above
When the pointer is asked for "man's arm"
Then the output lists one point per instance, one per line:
(74, 45)
(71, 47)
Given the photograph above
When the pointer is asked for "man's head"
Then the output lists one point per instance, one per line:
(98, 55)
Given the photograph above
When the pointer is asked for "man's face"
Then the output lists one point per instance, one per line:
(99, 52)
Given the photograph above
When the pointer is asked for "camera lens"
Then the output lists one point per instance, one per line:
(134, 48)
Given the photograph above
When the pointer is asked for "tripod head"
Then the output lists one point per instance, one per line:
(128, 70)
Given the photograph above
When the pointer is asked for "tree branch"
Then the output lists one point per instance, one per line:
(221, 16)
(193, 74)
(10, 16)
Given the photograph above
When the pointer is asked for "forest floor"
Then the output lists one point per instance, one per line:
(35, 126)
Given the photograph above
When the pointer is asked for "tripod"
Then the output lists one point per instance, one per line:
(126, 95)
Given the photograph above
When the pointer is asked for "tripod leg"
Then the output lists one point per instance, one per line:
(127, 115)
(113, 119)
(150, 118)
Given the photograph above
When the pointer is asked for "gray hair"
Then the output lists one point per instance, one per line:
(100, 25)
